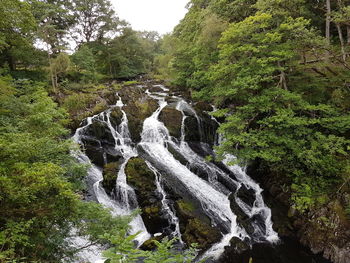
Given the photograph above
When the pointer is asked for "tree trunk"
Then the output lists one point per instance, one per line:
(53, 82)
(348, 34)
(342, 44)
(328, 21)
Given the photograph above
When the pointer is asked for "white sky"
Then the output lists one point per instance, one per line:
(151, 15)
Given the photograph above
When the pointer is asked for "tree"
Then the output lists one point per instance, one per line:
(95, 19)
(257, 81)
(16, 26)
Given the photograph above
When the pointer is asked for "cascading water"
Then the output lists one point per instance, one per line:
(123, 192)
(155, 136)
(261, 233)
(172, 218)
(213, 187)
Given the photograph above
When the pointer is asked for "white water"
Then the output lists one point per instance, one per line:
(216, 204)
(120, 207)
(212, 195)
(173, 219)
(258, 208)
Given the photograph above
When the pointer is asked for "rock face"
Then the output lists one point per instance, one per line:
(325, 230)
(142, 179)
(172, 119)
(138, 106)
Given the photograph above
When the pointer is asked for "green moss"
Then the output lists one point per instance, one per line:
(110, 172)
(130, 82)
(186, 206)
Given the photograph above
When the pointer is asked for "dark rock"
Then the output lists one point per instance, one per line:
(246, 195)
(172, 119)
(288, 251)
(203, 106)
(242, 218)
(116, 117)
(137, 111)
(110, 174)
(100, 131)
(142, 179)
(194, 227)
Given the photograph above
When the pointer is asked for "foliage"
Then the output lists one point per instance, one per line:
(279, 86)
(39, 179)
(123, 251)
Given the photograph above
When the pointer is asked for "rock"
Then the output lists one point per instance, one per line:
(137, 111)
(116, 117)
(246, 195)
(100, 131)
(202, 130)
(110, 174)
(142, 179)
(203, 106)
(242, 218)
(194, 227)
(172, 119)
(150, 244)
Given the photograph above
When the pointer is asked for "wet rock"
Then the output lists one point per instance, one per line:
(194, 227)
(94, 151)
(137, 111)
(172, 119)
(287, 251)
(200, 130)
(100, 131)
(110, 174)
(116, 117)
(192, 132)
(142, 179)
(242, 218)
(246, 195)
(203, 106)
(150, 243)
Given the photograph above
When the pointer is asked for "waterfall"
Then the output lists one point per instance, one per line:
(155, 136)
(258, 207)
(215, 187)
(121, 204)
(172, 218)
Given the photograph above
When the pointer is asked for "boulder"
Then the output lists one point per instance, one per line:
(194, 226)
(172, 119)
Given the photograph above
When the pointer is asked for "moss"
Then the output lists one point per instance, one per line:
(110, 173)
(201, 233)
(186, 206)
(130, 82)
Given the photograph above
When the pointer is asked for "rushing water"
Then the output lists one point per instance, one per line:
(214, 194)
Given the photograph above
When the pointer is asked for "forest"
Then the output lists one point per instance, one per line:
(276, 72)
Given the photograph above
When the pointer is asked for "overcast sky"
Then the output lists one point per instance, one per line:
(151, 15)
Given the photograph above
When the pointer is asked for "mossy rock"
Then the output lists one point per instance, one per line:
(150, 243)
(201, 233)
(137, 111)
(202, 106)
(116, 117)
(100, 131)
(110, 174)
(172, 119)
(142, 179)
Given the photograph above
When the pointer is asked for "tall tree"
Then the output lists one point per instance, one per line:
(16, 25)
(95, 19)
